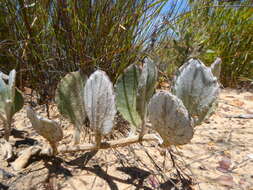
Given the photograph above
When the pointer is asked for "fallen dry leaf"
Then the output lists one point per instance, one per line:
(237, 103)
(226, 109)
(229, 96)
(227, 153)
(225, 180)
(224, 165)
(248, 98)
(211, 144)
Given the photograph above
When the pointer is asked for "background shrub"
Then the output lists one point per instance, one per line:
(207, 29)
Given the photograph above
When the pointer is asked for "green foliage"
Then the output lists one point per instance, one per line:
(69, 97)
(18, 102)
(233, 43)
(173, 117)
(126, 93)
(209, 30)
(134, 88)
(8, 92)
(44, 40)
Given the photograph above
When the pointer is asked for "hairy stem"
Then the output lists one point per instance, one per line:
(77, 135)
(54, 147)
(132, 131)
(110, 144)
(98, 139)
(143, 129)
(7, 130)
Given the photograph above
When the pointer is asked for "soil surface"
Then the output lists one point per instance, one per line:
(219, 157)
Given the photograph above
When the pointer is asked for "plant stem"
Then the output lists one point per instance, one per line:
(77, 134)
(143, 129)
(110, 144)
(143, 126)
(98, 139)
(54, 147)
(6, 127)
(7, 130)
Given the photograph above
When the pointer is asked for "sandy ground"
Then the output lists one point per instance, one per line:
(219, 157)
(223, 138)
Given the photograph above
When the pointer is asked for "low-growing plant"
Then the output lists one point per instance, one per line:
(11, 101)
(173, 115)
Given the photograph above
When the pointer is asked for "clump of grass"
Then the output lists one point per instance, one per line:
(43, 40)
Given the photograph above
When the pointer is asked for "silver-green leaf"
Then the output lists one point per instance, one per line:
(69, 98)
(198, 89)
(49, 129)
(11, 100)
(99, 101)
(12, 84)
(170, 119)
(146, 87)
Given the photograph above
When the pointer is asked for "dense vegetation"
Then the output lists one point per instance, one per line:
(209, 29)
(44, 40)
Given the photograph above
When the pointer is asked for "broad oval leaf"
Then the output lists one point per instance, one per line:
(146, 86)
(126, 92)
(70, 98)
(99, 101)
(48, 129)
(170, 119)
(198, 89)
